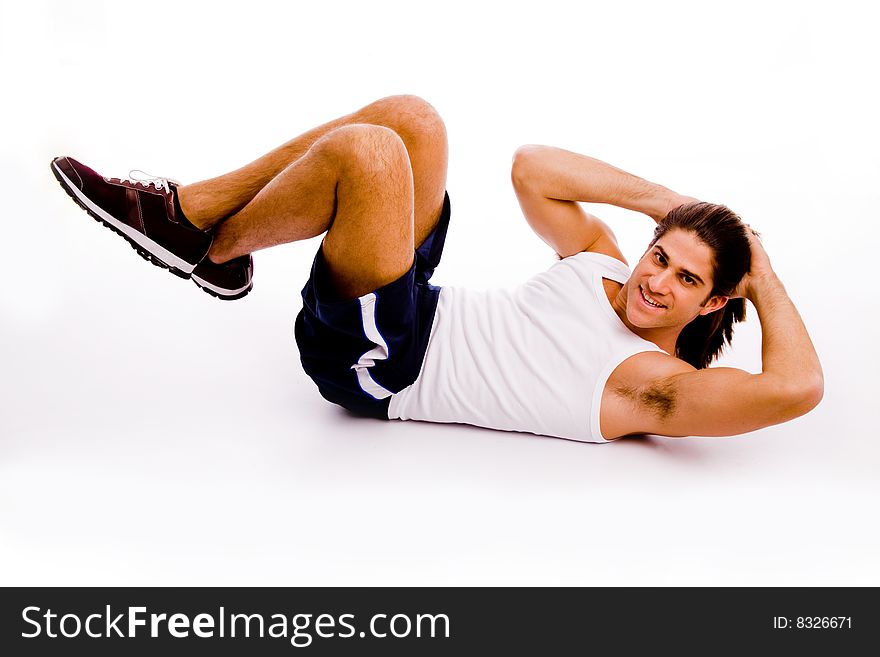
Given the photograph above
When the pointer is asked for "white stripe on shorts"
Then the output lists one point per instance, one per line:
(378, 352)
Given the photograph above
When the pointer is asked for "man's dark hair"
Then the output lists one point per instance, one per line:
(722, 230)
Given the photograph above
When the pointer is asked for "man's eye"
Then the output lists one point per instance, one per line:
(660, 258)
(689, 280)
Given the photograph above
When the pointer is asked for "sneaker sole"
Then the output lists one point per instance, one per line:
(146, 248)
(220, 293)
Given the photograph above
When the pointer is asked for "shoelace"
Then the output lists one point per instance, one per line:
(147, 180)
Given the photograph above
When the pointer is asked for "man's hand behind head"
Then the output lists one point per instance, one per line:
(760, 268)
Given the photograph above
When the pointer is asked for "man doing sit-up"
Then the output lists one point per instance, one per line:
(587, 350)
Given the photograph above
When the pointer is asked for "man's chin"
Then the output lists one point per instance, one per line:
(647, 320)
(640, 321)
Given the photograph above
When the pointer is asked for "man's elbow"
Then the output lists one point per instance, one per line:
(804, 396)
(525, 167)
(814, 393)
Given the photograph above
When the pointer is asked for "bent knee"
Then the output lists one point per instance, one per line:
(413, 117)
(366, 148)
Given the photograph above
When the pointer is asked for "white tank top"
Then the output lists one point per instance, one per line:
(533, 358)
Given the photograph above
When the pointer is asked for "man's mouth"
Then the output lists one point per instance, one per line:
(648, 300)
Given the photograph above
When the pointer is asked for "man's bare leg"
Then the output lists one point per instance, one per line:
(252, 224)
(356, 183)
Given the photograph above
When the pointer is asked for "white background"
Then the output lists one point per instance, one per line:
(150, 434)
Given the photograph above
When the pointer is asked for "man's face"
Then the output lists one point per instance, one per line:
(670, 285)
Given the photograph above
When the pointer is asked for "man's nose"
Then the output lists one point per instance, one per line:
(659, 282)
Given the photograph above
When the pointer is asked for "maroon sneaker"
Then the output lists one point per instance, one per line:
(140, 210)
(229, 280)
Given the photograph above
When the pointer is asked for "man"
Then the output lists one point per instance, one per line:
(586, 351)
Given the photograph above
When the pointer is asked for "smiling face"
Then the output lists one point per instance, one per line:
(671, 283)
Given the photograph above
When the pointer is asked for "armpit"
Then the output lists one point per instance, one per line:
(657, 398)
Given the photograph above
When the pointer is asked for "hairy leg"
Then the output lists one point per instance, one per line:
(225, 198)
(355, 183)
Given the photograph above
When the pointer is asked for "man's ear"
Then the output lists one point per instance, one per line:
(714, 303)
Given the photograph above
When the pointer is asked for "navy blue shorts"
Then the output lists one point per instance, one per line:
(360, 351)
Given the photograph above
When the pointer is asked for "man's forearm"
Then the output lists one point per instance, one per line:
(788, 357)
(568, 176)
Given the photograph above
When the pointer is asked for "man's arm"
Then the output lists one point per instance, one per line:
(550, 181)
(727, 401)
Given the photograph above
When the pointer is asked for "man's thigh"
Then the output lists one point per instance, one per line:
(423, 132)
(371, 238)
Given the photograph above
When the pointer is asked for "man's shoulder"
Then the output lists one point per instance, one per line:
(648, 368)
(601, 257)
